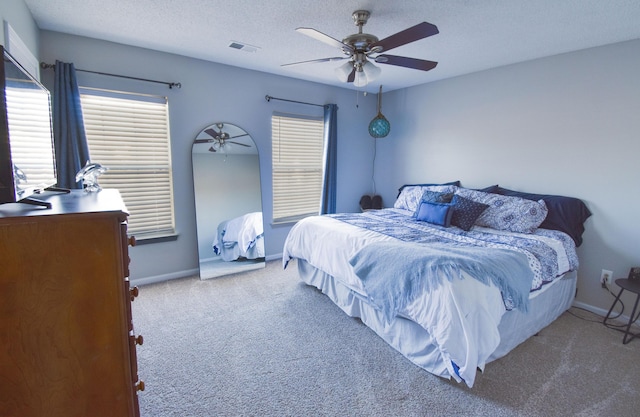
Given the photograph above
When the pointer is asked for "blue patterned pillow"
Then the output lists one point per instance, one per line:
(456, 183)
(566, 214)
(513, 214)
(436, 197)
(411, 195)
(436, 213)
(465, 212)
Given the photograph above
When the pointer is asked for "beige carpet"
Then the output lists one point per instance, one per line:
(262, 343)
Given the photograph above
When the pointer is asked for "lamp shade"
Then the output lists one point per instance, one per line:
(343, 71)
(371, 71)
(360, 80)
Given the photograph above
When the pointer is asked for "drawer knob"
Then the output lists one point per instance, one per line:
(132, 241)
(134, 292)
(139, 340)
(140, 386)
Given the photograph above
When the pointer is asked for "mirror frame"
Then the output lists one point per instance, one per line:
(227, 186)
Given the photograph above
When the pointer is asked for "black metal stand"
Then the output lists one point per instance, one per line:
(634, 287)
(35, 202)
(58, 189)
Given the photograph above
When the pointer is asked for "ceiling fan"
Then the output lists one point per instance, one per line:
(362, 48)
(220, 138)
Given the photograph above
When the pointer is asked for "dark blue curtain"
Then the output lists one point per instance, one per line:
(72, 150)
(328, 202)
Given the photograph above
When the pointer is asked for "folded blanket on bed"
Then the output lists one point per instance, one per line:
(394, 273)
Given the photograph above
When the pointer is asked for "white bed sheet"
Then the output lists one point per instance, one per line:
(417, 344)
(242, 236)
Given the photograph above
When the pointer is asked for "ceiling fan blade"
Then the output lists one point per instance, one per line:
(319, 36)
(334, 58)
(238, 136)
(211, 133)
(203, 141)
(352, 76)
(412, 34)
(403, 61)
(238, 143)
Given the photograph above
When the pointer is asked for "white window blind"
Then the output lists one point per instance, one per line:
(297, 152)
(129, 134)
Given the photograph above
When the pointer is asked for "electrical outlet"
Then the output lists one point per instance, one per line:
(606, 278)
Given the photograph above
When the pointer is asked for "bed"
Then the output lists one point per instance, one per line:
(240, 237)
(450, 277)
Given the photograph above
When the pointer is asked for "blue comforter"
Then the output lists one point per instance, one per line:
(542, 258)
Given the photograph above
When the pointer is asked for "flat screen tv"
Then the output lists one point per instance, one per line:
(27, 156)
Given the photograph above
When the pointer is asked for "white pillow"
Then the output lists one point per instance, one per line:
(411, 195)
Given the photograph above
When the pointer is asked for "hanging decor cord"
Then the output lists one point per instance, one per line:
(269, 98)
(373, 170)
(44, 65)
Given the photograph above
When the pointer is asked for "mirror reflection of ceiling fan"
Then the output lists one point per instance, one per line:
(220, 138)
(362, 48)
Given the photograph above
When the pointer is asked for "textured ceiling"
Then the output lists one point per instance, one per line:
(474, 35)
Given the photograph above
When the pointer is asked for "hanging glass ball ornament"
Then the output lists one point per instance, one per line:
(379, 127)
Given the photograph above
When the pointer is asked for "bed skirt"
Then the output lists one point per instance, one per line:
(417, 345)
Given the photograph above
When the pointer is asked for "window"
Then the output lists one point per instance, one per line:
(297, 154)
(129, 134)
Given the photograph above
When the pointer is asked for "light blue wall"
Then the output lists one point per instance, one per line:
(212, 92)
(567, 124)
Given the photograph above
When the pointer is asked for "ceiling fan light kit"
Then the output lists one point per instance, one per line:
(360, 49)
(366, 73)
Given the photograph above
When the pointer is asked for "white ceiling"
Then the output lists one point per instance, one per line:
(474, 35)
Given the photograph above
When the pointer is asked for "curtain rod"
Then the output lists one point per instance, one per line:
(44, 65)
(269, 98)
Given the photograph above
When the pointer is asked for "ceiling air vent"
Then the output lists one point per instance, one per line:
(243, 46)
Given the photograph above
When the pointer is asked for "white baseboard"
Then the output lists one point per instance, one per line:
(273, 257)
(165, 277)
(600, 311)
(596, 310)
(183, 274)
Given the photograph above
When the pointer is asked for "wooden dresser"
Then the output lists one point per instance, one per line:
(67, 346)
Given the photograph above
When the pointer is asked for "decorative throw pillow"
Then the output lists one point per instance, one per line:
(566, 214)
(465, 212)
(436, 213)
(456, 183)
(411, 195)
(513, 214)
(436, 197)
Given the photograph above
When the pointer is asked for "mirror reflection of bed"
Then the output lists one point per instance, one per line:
(228, 201)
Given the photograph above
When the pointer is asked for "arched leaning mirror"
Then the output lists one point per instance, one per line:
(228, 200)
